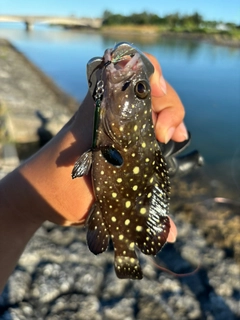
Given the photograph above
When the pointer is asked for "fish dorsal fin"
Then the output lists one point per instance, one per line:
(97, 234)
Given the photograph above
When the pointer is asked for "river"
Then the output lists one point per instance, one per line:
(206, 76)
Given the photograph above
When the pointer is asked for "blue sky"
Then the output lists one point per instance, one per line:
(224, 10)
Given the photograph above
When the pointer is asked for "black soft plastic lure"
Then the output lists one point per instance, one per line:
(129, 173)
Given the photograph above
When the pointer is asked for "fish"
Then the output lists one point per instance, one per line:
(129, 172)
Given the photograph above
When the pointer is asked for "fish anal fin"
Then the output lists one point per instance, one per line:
(127, 266)
(97, 233)
(82, 165)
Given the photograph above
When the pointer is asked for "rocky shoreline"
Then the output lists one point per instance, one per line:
(58, 278)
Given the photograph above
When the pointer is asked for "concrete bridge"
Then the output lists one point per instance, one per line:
(29, 21)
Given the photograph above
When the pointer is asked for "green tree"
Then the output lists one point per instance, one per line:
(107, 14)
(196, 19)
(173, 20)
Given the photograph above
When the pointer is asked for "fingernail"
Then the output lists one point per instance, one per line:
(169, 134)
(163, 85)
(183, 131)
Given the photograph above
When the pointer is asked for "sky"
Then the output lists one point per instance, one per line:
(219, 10)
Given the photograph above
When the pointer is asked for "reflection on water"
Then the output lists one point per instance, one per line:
(206, 76)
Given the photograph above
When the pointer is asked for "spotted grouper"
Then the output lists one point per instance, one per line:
(129, 174)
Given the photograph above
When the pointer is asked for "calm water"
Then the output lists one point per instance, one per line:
(206, 76)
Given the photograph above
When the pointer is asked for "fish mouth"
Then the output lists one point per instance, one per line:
(121, 62)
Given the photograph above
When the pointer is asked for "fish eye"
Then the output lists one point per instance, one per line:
(142, 89)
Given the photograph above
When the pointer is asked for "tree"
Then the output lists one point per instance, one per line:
(197, 18)
(107, 14)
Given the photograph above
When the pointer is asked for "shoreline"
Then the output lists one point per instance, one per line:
(154, 31)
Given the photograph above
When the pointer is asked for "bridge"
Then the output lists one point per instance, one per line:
(70, 21)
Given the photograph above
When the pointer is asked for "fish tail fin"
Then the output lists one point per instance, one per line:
(128, 266)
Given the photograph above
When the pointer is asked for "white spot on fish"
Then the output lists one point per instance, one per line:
(136, 170)
(128, 204)
(143, 210)
(132, 245)
(127, 221)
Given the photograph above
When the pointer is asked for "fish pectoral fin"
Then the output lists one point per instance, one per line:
(127, 266)
(97, 234)
(82, 165)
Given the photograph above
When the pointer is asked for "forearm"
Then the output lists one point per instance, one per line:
(60, 199)
(42, 189)
(48, 173)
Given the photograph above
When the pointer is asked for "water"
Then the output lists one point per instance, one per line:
(206, 76)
